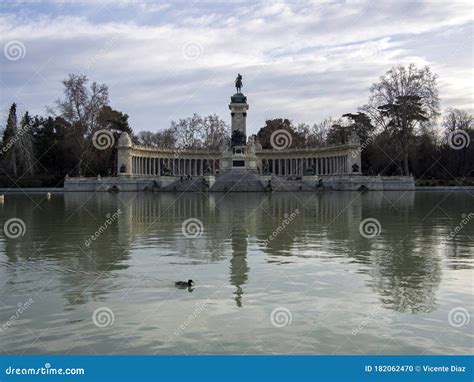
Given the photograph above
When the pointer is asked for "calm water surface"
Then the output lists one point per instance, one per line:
(331, 290)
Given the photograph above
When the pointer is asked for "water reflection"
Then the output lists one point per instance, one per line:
(403, 264)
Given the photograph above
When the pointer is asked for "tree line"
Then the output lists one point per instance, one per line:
(401, 130)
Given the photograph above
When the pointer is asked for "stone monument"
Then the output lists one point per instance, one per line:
(240, 156)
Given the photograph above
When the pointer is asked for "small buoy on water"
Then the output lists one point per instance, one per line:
(2, 198)
(48, 195)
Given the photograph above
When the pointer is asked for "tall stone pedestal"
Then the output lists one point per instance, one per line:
(241, 155)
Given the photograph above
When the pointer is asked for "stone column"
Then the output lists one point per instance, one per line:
(124, 155)
(353, 154)
(238, 107)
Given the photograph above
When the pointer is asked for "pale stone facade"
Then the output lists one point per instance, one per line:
(243, 166)
(134, 160)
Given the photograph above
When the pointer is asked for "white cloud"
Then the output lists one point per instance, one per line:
(305, 60)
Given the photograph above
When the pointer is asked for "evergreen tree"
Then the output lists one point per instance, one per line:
(24, 147)
(9, 134)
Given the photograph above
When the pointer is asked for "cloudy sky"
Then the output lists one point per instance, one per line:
(304, 60)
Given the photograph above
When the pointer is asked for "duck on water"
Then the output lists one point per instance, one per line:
(184, 284)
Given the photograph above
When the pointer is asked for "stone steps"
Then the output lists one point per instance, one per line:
(281, 183)
(195, 185)
(237, 181)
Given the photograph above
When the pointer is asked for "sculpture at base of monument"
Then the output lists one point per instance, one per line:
(310, 171)
(266, 168)
(355, 167)
(165, 171)
(238, 138)
(251, 144)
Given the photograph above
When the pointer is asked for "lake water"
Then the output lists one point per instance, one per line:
(274, 273)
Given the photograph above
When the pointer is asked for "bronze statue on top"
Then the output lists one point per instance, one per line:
(238, 83)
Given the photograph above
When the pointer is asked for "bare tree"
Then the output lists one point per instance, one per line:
(402, 100)
(456, 119)
(81, 107)
(166, 139)
(213, 132)
(188, 131)
(319, 131)
(147, 138)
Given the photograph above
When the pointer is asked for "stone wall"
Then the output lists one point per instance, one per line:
(305, 183)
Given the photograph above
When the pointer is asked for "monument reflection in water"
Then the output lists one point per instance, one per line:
(334, 282)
